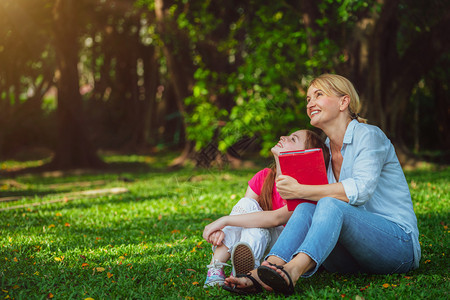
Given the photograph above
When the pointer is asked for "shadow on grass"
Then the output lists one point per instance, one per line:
(110, 168)
(164, 255)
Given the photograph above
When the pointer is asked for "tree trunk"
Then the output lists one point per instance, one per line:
(179, 67)
(73, 149)
(151, 81)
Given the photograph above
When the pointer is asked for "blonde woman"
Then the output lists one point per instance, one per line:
(364, 219)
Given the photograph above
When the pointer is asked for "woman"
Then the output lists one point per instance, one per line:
(247, 239)
(364, 219)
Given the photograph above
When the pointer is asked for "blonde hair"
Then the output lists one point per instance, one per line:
(336, 85)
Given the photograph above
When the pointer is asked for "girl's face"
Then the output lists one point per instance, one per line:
(320, 107)
(295, 141)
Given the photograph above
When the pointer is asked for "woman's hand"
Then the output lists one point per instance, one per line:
(288, 187)
(213, 227)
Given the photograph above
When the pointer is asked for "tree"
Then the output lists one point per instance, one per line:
(26, 74)
(289, 42)
(73, 149)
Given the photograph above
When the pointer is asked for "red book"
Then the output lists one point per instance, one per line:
(307, 167)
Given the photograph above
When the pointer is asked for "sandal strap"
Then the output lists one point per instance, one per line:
(291, 284)
(256, 285)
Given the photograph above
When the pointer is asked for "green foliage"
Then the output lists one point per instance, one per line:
(268, 45)
(147, 243)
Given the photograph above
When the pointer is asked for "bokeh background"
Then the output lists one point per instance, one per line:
(213, 79)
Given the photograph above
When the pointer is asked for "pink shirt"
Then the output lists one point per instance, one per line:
(256, 184)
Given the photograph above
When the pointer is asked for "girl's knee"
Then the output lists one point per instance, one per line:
(246, 205)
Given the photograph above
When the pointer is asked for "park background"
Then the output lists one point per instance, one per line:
(164, 109)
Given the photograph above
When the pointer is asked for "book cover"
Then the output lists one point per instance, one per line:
(306, 166)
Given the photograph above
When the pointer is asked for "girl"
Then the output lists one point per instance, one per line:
(364, 219)
(235, 234)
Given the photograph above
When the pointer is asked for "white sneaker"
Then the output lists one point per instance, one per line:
(216, 275)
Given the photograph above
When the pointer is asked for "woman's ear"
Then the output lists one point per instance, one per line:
(344, 102)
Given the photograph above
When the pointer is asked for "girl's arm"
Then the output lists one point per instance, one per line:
(251, 194)
(289, 188)
(260, 219)
(216, 237)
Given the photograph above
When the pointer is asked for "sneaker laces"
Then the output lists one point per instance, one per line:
(217, 264)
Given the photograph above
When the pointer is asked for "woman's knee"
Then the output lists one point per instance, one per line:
(304, 210)
(331, 203)
(330, 208)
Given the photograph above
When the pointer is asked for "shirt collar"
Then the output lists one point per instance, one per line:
(348, 137)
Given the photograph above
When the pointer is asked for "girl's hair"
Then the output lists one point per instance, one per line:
(336, 85)
(313, 140)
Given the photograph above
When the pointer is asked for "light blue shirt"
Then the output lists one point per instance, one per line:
(373, 178)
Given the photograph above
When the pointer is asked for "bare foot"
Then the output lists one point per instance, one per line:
(298, 266)
(243, 282)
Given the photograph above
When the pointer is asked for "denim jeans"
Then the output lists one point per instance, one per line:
(345, 239)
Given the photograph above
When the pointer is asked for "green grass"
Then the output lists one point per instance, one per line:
(147, 244)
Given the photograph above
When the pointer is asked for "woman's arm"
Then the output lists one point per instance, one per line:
(289, 188)
(260, 219)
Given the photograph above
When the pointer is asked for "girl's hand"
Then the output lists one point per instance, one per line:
(213, 227)
(288, 187)
(216, 238)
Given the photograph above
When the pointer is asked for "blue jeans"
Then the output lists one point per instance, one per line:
(345, 239)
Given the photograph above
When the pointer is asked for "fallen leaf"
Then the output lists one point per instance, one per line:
(100, 269)
(51, 225)
(67, 225)
(191, 270)
(49, 296)
(109, 275)
(175, 231)
(386, 285)
(195, 283)
(16, 287)
(15, 259)
(84, 265)
(168, 269)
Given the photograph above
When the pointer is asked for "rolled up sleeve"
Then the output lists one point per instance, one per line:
(369, 154)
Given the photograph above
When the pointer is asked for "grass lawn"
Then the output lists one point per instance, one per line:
(147, 243)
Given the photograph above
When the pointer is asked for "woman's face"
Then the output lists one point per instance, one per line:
(295, 141)
(320, 107)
